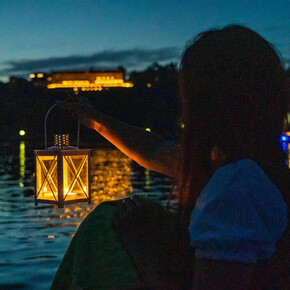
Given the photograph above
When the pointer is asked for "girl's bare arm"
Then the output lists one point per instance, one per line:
(146, 148)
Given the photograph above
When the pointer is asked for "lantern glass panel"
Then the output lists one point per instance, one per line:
(75, 177)
(46, 174)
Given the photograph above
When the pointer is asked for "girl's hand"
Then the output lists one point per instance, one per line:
(83, 110)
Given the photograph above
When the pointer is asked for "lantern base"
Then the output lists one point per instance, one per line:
(61, 205)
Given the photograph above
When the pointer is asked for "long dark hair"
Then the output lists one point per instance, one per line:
(233, 90)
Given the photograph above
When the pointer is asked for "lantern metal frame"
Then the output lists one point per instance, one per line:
(59, 157)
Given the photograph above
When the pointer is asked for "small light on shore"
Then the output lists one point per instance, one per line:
(284, 138)
(51, 237)
(21, 132)
(148, 129)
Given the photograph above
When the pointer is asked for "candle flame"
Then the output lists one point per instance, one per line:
(69, 193)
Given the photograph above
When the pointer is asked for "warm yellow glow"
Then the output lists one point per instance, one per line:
(40, 75)
(32, 76)
(111, 175)
(75, 185)
(69, 193)
(87, 80)
(51, 236)
(147, 180)
(98, 84)
(148, 129)
(21, 132)
(21, 184)
(111, 180)
(21, 161)
(149, 85)
(128, 85)
(77, 208)
(46, 177)
(182, 125)
(75, 89)
(74, 177)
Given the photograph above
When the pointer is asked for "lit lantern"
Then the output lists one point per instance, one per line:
(62, 172)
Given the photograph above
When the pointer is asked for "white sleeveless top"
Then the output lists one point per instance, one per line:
(239, 215)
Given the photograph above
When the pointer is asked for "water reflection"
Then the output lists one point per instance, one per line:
(21, 163)
(147, 179)
(33, 239)
(110, 180)
(111, 171)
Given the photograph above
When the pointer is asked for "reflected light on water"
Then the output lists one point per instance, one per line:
(110, 180)
(35, 238)
(110, 175)
(147, 179)
(21, 163)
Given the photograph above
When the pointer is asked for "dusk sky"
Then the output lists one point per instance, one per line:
(45, 35)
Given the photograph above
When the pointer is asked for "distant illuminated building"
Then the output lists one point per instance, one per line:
(38, 79)
(84, 80)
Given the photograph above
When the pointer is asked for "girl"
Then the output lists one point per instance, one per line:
(233, 90)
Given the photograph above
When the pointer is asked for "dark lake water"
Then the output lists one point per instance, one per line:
(33, 239)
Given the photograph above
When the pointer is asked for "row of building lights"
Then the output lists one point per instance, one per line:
(89, 85)
(85, 85)
(99, 88)
(38, 75)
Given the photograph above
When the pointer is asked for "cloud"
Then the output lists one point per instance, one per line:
(130, 59)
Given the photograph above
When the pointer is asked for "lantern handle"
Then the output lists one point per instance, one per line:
(45, 137)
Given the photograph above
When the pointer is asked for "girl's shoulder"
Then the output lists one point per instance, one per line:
(239, 215)
(239, 180)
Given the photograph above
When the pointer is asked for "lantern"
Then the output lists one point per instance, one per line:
(62, 172)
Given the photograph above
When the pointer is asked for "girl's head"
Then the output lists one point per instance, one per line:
(233, 90)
